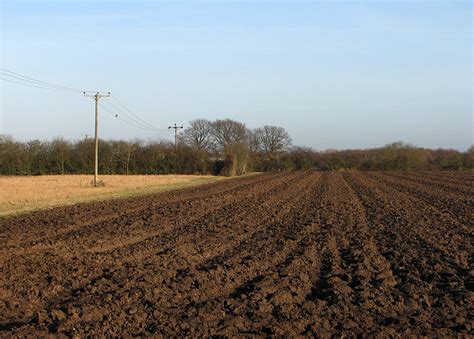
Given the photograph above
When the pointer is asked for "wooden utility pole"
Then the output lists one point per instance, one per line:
(96, 97)
(176, 128)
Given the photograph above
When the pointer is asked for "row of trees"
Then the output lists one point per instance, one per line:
(230, 145)
(397, 156)
(220, 147)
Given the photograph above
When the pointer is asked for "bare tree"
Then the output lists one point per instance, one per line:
(227, 133)
(270, 139)
(198, 134)
(231, 140)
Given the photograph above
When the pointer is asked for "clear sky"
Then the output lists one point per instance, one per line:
(335, 74)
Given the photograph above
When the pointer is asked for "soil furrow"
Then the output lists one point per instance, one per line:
(290, 254)
(103, 260)
(420, 264)
(444, 187)
(458, 208)
(467, 182)
(93, 214)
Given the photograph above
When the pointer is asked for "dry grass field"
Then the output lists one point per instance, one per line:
(24, 194)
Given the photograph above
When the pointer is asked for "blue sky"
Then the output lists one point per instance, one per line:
(339, 74)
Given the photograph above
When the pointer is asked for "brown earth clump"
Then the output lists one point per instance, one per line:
(305, 253)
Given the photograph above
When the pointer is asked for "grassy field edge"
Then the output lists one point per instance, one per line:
(123, 194)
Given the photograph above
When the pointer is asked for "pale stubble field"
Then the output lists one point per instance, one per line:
(24, 194)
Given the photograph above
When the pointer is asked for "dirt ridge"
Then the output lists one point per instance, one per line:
(304, 253)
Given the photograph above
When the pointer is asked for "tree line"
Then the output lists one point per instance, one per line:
(220, 147)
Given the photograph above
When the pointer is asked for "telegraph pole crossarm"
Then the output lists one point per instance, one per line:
(96, 97)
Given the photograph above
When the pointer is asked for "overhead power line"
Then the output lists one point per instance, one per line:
(130, 117)
(135, 120)
(136, 116)
(126, 114)
(28, 81)
(41, 87)
(159, 135)
(117, 116)
(128, 122)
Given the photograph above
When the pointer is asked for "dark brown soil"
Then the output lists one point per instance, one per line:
(306, 253)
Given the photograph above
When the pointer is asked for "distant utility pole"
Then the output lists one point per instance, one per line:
(176, 128)
(96, 97)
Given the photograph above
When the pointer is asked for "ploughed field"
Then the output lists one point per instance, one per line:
(303, 253)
